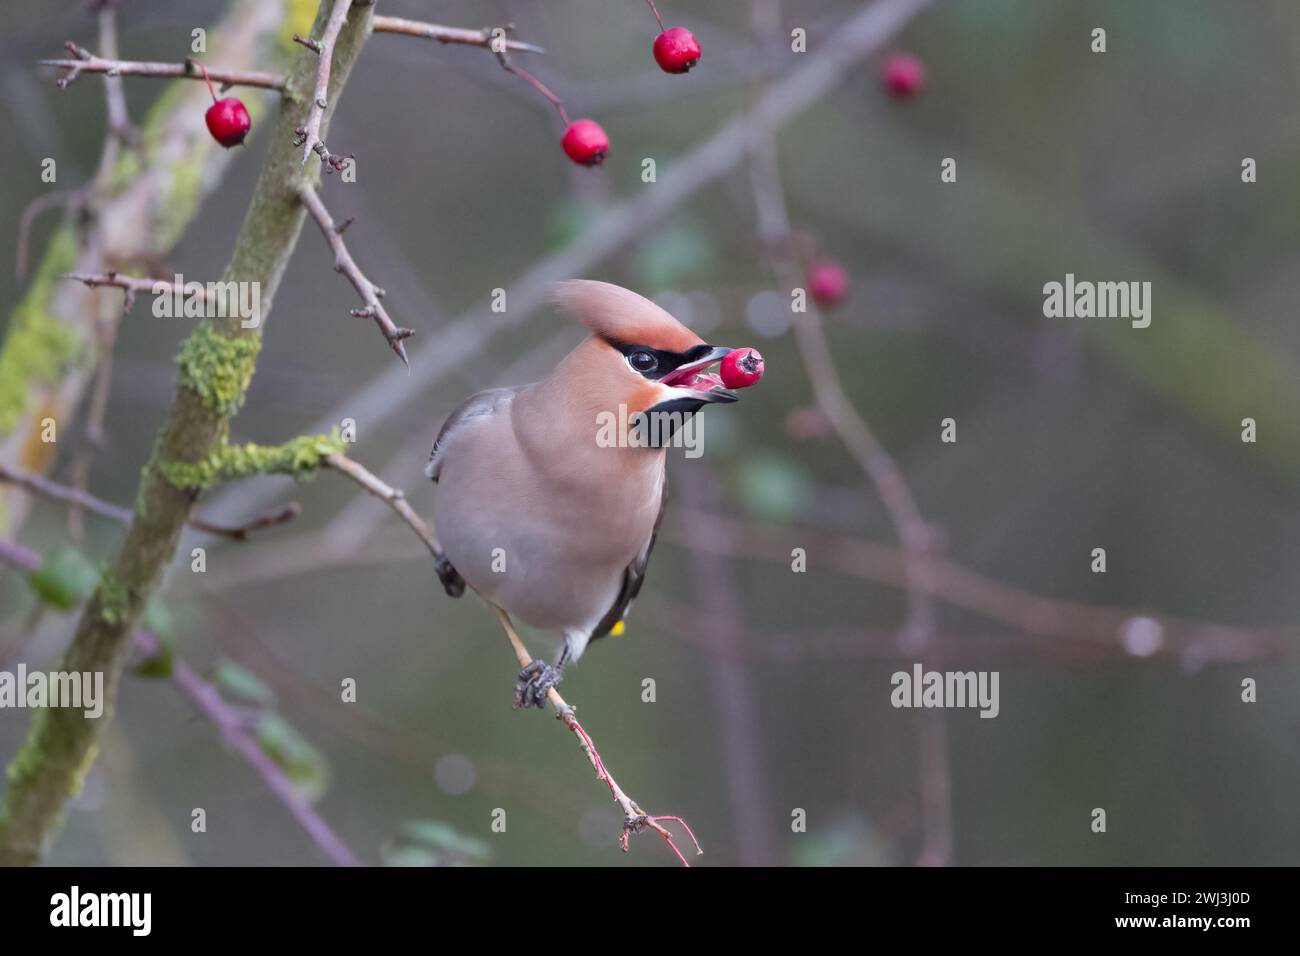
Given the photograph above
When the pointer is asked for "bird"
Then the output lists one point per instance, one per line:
(541, 507)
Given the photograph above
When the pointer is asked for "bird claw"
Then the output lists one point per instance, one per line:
(451, 580)
(535, 681)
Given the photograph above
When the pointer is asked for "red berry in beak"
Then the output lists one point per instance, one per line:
(741, 368)
(585, 142)
(228, 121)
(676, 50)
(828, 283)
(903, 76)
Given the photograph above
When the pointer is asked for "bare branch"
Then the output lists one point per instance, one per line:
(634, 818)
(229, 720)
(393, 497)
(309, 133)
(40, 485)
(370, 293)
(85, 62)
(133, 285)
(459, 35)
(65, 197)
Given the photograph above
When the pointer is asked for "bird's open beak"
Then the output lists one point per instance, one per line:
(693, 381)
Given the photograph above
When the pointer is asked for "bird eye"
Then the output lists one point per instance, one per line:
(642, 361)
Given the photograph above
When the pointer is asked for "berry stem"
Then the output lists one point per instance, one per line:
(536, 84)
(655, 11)
(207, 79)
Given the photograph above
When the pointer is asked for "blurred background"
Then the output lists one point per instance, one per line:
(1119, 690)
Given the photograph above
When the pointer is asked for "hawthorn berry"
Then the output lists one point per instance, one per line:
(585, 142)
(741, 368)
(903, 76)
(828, 283)
(228, 120)
(676, 50)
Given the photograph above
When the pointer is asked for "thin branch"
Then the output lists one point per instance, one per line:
(229, 720)
(883, 473)
(395, 498)
(634, 818)
(858, 36)
(133, 285)
(33, 209)
(40, 485)
(309, 133)
(507, 65)
(370, 293)
(458, 35)
(86, 62)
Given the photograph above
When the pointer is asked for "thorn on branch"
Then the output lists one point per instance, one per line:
(308, 42)
(370, 307)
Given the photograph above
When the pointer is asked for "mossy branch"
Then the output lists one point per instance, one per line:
(216, 366)
(136, 208)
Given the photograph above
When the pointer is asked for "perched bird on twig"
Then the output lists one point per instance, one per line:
(546, 510)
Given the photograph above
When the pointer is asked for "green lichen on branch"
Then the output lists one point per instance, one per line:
(215, 370)
(38, 347)
(218, 368)
(300, 458)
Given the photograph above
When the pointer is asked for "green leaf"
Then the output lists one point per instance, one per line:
(445, 838)
(234, 681)
(295, 754)
(160, 664)
(64, 579)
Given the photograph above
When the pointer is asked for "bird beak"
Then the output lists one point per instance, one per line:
(692, 382)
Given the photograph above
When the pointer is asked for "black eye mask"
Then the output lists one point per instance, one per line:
(665, 362)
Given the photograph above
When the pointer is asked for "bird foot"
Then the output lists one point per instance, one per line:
(534, 682)
(451, 580)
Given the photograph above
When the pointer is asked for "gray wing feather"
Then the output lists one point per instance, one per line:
(482, 403)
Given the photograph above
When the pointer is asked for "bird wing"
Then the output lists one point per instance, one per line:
(633, 576)
(482, 403)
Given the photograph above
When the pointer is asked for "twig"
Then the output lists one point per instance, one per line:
(39, 484)
(370, 294)
(133, 285)
(722, 628)
(393, 497)
(64, 197)
(309, 133)
(459, 35)
(85, 62)
(506, 64)
(229, 720)
(463, 338)
(634, 818)
(880, 469)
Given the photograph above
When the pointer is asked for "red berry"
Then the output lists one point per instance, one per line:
(585, 142)
(903, 75)
(228, 121)
(741, 368)
(828, 283)
(676, 50)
